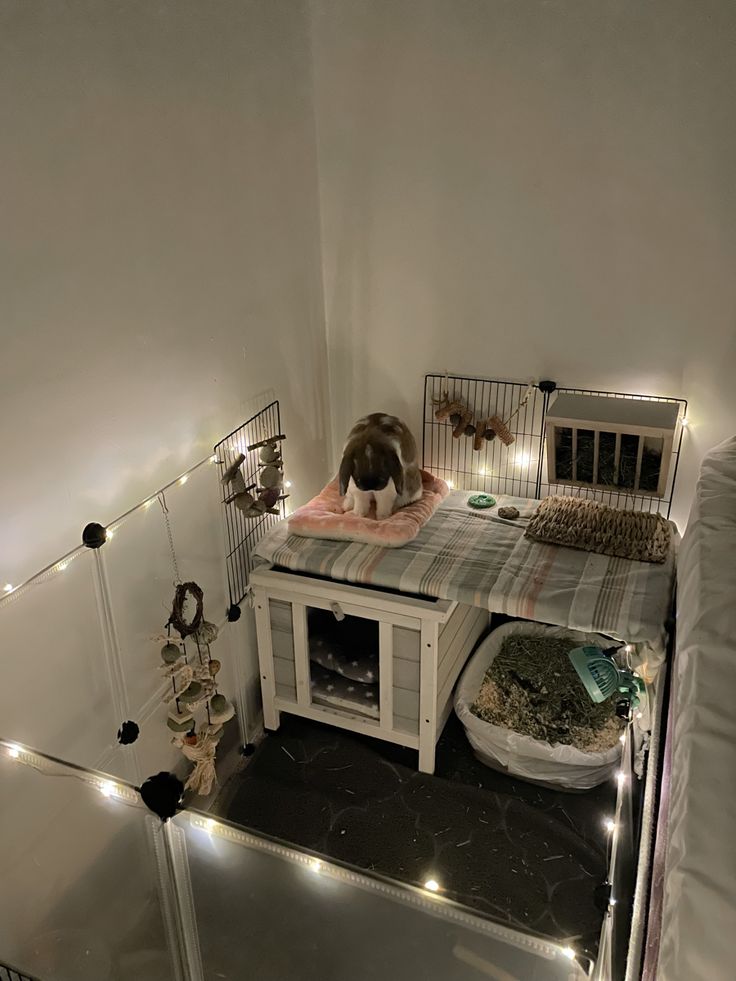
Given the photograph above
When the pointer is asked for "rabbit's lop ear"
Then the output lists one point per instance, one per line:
(346, 472)
(396, 470)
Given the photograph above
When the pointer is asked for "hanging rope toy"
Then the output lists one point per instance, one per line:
(182, 594)
(201, 750)
(193, 684)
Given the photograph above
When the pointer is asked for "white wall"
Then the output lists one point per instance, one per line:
(159, 244)
(529, 189)
(159, 277)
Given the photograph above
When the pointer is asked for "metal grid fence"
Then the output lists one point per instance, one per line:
(242, 534)
(10, 974)
(520, 469)
(495, 467)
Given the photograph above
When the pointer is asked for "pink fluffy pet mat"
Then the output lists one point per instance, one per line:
(323, 517)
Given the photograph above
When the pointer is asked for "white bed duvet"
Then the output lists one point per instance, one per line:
(696, 940)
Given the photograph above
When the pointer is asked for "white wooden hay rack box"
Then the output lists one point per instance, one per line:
(423, 645)
(608, 442)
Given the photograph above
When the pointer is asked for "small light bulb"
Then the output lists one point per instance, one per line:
(184, 479)
(432, 885)
(61, 566)
(148, 503)
(14, 752)
(639, 715)
(620, 778)
(287, 484)
(482, 471)
(685, 421)
(628, 649)
(612, 901)
(8, 587)
(109, 533)
(450, 483)
(210, 825)
(522, 459)
(107, 788)
(316, 865)
(213, 458)
(622, 738)
(609, 825)
(568, 952)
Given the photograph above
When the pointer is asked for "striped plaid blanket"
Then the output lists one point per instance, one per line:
(479, 559)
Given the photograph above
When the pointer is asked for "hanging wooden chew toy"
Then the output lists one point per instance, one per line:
(269, 483)
(448, 407)
(462, 420)
(501, 430)
(465, 420)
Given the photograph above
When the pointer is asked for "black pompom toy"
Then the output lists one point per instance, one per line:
(162, 793)
(128, 733)
(233, 613)
(602, 896)
(94, 535)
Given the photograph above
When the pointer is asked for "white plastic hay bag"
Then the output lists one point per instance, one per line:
(522, 756)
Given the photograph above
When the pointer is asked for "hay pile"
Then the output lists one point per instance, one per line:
(532, 688)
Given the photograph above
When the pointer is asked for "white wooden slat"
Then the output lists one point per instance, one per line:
(283, 672)
(374, 612)
(406, 703)
(290, 587)
(301, 654)
(596, 453)
(406, 673)
(287, 693)
(386, 673)
(473, 626)
(407, 643)
(445, 687)
(448, 638)
(265, 658)
(639, 455)
(428, 697)
(616, 458)
(354, 723)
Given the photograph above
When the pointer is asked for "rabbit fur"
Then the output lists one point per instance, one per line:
(379, 462)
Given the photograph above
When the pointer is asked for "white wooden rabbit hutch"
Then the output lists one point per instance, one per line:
(423, 644)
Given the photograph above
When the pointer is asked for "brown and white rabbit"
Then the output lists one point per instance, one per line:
(379, 463)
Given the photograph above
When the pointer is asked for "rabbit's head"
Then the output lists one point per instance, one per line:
(371, 464)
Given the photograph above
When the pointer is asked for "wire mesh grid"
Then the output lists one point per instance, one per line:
(242, 534)
(10, 974)
(619, 497)
(520, 469)
(495, 468)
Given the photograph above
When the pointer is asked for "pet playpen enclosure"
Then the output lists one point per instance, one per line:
(90, 617)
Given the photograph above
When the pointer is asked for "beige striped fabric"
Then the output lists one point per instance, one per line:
(482, 560)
